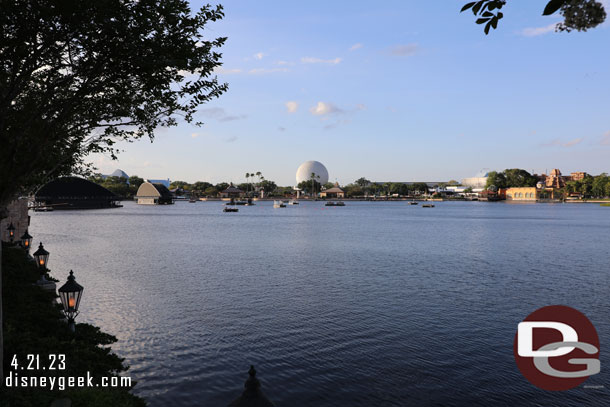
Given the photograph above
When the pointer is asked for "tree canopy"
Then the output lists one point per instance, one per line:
(511, 178)
(78, 76)
(579, 15)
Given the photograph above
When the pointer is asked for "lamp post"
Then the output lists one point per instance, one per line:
(70, 294)
(42, 257)
(11, 232)
(26, 241)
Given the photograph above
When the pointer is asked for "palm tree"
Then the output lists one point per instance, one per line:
(259, 175)
(313, 176)
(247, 185)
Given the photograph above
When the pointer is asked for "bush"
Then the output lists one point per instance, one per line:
(34, 325)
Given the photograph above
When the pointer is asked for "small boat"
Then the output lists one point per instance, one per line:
(192, 200)
(338, 203)
(293, 202)
(413, 203)
(427, 206)
(228, 209)
(279, 204)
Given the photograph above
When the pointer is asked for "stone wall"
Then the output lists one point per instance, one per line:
(17, 213)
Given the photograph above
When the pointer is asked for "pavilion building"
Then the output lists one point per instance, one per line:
(75, 193)
(154, 194)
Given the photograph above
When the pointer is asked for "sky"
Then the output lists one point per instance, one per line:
(391, 91)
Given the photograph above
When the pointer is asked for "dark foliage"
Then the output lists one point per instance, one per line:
(579, 15)
(34, 324)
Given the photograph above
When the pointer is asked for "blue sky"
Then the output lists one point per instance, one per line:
(396, 90)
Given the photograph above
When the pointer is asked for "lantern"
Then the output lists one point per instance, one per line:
(70, 294)
(26, 241)
(11, 232)
(42, 257)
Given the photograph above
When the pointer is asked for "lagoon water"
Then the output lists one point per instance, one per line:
(372, 304)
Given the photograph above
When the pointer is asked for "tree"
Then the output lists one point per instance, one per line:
(211, 191)
(328, 185)
(353, 190)
(420, 187)
(579, 15)
(135, 182)
(599, 185)
(315, 184)
(78, 76)
(221, 186)
(362, 182)
(496, 179)
(517, 178)
(268, 186)
(309, 186)
(180, 185)
(118, 186)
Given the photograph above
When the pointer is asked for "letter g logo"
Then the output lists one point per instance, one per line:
(557, 348)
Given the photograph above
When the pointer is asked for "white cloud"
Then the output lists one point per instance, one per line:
(324, 108)
(220, 114)
(536, 31)
(225, 71)
(292, 106)
(259, 55)
(284, 63)
(560, 143)
(311, 60)
(404, 50)
(262, 71)
(356, 46)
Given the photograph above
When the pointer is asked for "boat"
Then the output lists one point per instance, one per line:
(293, 202)
(228, 209)
(332, 203)
(279, 204)
(413, 203)
(192, 200)
(427, 206)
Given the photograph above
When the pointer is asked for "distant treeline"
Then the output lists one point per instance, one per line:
(128, 187)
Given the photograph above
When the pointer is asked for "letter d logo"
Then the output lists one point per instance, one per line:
(556, 348)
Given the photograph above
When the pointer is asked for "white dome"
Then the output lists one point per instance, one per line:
(305, 170)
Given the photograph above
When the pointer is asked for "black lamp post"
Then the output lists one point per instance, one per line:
(11, 232)
(42, 257)
(70, 294)
(26, 241)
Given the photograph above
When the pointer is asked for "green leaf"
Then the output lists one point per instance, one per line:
(552, 6)
(487, 28)
(494, 22)
(488, 14)
(482, 20)
(467, 6)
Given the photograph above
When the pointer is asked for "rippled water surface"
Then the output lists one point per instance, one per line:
(372, 304)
